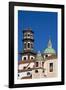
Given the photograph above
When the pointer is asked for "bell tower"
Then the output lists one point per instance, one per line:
(28, 45)
(28, 40)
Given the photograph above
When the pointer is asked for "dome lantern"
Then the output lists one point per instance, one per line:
(39, 56)
(49, 49)
(49, 44)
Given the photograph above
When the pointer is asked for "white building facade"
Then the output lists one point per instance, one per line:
(36, 65)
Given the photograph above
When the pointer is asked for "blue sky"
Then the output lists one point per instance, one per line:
(44, 25)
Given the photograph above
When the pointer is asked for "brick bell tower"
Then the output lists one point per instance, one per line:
(28, 45)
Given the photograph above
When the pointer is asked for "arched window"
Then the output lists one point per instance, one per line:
(28, 45)
(31, 57)
(28, 73)
(24, 45)
(24, 58)
(28, 35)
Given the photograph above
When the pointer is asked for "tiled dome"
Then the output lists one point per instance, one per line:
(39, 56)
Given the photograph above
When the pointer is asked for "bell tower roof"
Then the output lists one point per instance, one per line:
(28, 30)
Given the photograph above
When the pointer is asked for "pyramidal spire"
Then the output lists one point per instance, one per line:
(49, 44)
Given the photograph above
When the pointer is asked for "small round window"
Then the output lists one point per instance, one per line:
(46, 55)
(36, 71)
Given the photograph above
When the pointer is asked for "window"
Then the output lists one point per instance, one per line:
(24, 58)
(28, 45)
(51, 67)
(43, 71)
(31, 35)
(46, 55)
(31, 45)
(42, 64)
(25, 34)
(28, 67)
(28, 73)
(24, 45)
(31, 57)
(24, 67)
(36, 71)
(36, 64)
(18, 75)
(28, 35)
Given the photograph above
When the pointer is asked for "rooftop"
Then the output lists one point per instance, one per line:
(39, 56)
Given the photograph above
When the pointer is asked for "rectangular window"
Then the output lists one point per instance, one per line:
(51, 67)
(42, 64)
(36, 64)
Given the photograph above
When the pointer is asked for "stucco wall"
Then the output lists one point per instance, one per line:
(47, 68)
(40, 73)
